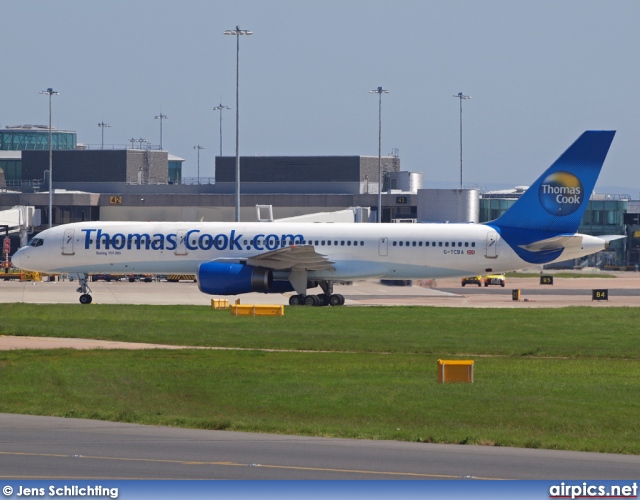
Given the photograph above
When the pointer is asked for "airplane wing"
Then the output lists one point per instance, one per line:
(294, 258)
(303, 257)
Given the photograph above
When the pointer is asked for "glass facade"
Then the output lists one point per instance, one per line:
(21, 139)
(600, 217)
(492, 208)
(604, 217)
(66, 214)
(175, 172)
(12, 169)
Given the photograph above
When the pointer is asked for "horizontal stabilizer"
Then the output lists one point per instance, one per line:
(612, 237)
(555, 243)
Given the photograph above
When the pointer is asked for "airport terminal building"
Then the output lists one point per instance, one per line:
(146, 183)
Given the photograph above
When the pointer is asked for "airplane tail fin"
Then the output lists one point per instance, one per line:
(555, 203)
(557, 200)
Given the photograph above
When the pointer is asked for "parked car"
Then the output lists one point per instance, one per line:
(472, 280)
(495, 279)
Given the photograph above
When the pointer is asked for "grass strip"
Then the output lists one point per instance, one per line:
(566, 332)
(577, 404)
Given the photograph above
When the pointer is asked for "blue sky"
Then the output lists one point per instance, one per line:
(539, 73)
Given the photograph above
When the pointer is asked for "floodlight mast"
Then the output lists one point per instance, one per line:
(379, 91)
(102, 125)
(461, 96)
(238, 32)
(50, 92)
(161, 117)
(198, 147)
(220, 107)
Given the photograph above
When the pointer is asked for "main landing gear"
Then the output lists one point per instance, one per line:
(85, 298)
(317, 300)
(328, 298)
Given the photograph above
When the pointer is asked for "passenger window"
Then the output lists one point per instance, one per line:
(446, 244)
(466, 243)
(473, 243)
(401, 243)
(439, 243)
(414, 244)
(394, 243)
(342, 243)
(420, 244)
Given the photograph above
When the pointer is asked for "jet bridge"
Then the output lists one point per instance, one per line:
(19, 219)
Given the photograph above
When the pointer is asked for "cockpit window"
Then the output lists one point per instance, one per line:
(36, 242)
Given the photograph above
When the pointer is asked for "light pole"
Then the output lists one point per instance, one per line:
(141, 140)
(50, 92)
(161, 117)
(379, 91)
(198, 147)
(238, 32)
(461, 96)
(102, 125)
(220, 107)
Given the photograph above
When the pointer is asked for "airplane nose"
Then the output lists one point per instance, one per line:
(16, 260)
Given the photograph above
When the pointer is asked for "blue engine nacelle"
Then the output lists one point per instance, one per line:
(222, 278)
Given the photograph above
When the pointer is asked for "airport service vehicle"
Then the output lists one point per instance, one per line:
(232, 258)
(495, 279)
(472, 280)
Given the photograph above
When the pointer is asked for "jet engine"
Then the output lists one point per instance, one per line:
(223, 278)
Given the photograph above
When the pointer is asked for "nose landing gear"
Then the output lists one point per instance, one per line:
(83, 289)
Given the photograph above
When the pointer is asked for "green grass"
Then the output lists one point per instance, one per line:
(544, 378)
(567, 332)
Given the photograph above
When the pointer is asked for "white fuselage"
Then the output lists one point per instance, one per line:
(393, 251)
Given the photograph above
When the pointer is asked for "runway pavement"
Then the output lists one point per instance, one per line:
(624, 290)
(34, 447)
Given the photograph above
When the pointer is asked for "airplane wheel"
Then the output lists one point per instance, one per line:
(311, 300)
(323, 299)
(336, 300)
(85, 298)
(296, 300)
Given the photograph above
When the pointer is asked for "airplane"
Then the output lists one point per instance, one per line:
(232, 258)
